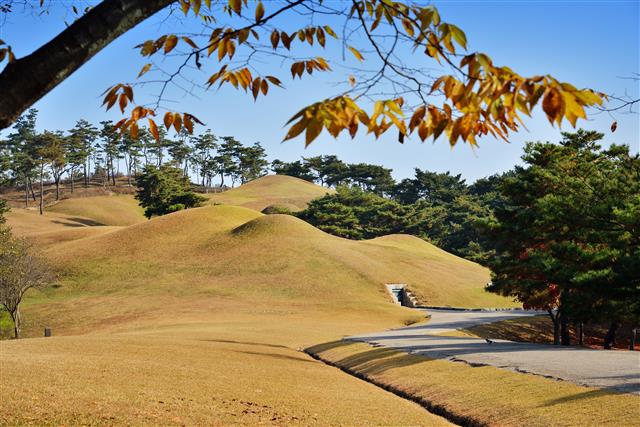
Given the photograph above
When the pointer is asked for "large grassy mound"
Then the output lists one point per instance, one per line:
(270, 190)
(197, 317)
(200, 258)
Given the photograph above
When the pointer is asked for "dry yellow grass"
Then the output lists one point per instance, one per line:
(197, 317)
(117, 209)
(241, 255)
(485, 395)
(135, 379)
(168, 304)
(28, 222)
(280, 190)
(52, 228)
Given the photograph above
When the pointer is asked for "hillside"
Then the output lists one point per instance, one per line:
(204, 310)
(281, 190)
(116, 209)
(202, 258)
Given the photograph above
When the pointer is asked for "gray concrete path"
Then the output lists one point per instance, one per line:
(619, 370)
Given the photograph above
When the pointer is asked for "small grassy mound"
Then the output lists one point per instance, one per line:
(283, 208)
(120, 210)
(28, 222)
(268, 190)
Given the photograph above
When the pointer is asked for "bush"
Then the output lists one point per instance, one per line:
(279, 209)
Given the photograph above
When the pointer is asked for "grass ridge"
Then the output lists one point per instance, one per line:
(429, 406)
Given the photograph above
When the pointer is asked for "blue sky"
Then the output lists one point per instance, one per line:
(588, 43)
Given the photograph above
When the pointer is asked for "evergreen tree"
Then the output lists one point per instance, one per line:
(567, 234)
(20, 146)
(227, 160)
(357, 214)
(203, 153)
(109, 149)
(164, 190)
(295, 169)
(80, 147)
(252, 162)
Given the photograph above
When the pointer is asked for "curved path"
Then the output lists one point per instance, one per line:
(619, 370)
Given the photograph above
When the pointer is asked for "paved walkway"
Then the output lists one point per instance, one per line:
(619, 370)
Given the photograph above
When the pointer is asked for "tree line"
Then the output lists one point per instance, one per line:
(29, 158)
(561, 233)
(439, 207)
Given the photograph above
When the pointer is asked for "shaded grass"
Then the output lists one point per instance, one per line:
(483, 395)
(539, 329)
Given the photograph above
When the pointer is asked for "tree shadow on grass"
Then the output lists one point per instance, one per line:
(369, 362)
(591, 394)
(79, 222)
(247, 343)
(276, 356)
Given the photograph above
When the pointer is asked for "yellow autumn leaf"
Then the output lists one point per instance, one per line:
(170, 43)
(144, 69)
(313, 130)
(259, 11)
(153, 128)
(356, 53)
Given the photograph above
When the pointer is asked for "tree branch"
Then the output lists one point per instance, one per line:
(26, 80)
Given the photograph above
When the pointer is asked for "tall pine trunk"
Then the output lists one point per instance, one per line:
(33, 193)
(565, 338)
(610, 337)
(41, 189)
(113, 173)
(581, 334)
(556, 326)
(72, 182)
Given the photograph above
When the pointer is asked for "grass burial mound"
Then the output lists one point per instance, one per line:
(199, 316)
(279, 190)
(117, 209)
(72, 219)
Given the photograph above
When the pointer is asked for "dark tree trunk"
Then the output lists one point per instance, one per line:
(57, 189)
(59, 58)
(41, 189)
(581, 334)
(632, 339)
(565, 338)
(26, 194)
(86, 176)
(128, 171)
(556, 327)
(610, 337)
(33, 193)
(15, 316)
(72, 182)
